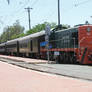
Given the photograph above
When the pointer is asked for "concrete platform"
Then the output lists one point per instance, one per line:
(74, 71)
(21, 59)
(16, 79)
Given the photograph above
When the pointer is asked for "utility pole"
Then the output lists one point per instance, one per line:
(58, 12)
(8, 1)
(28, 9)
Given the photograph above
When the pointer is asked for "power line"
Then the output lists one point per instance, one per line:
(86, 1)
(21, 8)
(17, 12)
(25, 4)
(76, 5)
(34, 3)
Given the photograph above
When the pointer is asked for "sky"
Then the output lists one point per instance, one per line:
(72, 12)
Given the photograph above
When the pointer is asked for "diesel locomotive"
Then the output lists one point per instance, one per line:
(73, 45)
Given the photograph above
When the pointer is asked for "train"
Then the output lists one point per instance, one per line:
(72, 45)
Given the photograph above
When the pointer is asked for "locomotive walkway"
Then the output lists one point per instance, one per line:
(74, 71)
(17, 79)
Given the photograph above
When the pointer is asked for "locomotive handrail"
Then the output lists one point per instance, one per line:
(81, 41)
(61, 39)
(67, 44)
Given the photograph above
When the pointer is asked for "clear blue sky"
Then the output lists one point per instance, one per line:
(44, 10)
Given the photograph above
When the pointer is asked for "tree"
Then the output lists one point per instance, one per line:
(40, 27)
(16, 30)
(12, 32)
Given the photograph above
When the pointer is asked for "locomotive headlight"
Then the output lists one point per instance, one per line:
(88, 29)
